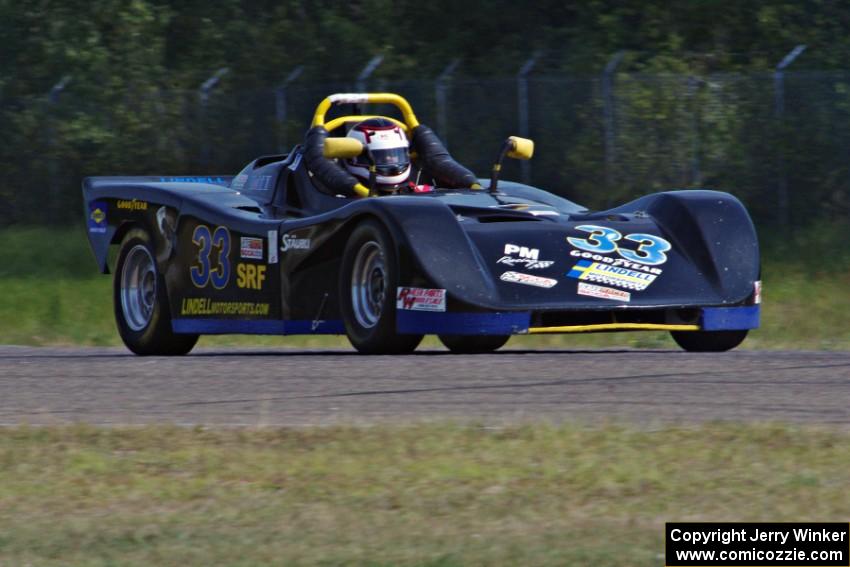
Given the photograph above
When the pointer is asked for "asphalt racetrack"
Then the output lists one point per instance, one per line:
(263, 387)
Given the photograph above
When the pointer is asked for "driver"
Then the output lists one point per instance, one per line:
(388, 147)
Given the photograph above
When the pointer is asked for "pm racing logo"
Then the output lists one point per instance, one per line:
(524, 257)
(634, 270)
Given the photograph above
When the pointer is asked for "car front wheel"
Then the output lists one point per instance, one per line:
(141, 302)
(368, 281)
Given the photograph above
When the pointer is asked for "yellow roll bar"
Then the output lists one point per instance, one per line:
(337, 122)
(363, 98)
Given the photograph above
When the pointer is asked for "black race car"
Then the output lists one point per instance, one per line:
(294, 244)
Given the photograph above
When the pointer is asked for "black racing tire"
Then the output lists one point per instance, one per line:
(473, 344)
(369, 277)
(708, 341)
(140, 301)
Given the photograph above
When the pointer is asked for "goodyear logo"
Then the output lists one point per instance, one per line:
(97, 216)
(132, 205)
(607, 274)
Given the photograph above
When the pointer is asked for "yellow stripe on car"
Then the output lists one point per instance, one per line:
(612, 327)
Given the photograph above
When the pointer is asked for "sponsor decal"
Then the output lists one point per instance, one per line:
(211, 180)
(251, 248)
(132, 205)
(607, 274)
(421, 299)
(616, 262)
(259, 183)
(528, 258)
(272, 247)
(757, 292)
(522, 251)
(528, 279)
(97, 216)
(525, 263)
(591, 290)
(651, 249)
(290, 242)
(250, 276)
(207, 306)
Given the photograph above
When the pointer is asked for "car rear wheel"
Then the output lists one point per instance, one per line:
(708, 341)
(473, 344)
(141, 302)
(368, 281)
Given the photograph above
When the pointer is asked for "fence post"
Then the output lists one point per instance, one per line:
(367, 72)
(280, 106)
(608, 114)
(440, 91)
(522, 110)
(694, 84)
(53, 168)
(779, 111)
(204, 95)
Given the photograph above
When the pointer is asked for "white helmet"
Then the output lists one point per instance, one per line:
(389, 147)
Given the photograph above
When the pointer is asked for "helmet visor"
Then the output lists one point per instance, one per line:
(391, 161)
(392, 156)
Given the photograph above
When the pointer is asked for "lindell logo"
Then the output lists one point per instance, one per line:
(523, 251)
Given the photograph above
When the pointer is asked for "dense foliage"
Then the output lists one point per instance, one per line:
(692, 102)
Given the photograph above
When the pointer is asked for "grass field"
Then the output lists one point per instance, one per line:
(426, 495)
(51, 294)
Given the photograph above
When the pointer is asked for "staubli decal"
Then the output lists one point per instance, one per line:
(291, 242)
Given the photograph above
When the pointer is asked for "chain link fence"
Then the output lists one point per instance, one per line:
(781, 147)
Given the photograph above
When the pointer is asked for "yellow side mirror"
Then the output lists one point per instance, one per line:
(343, 148)
(522, 148)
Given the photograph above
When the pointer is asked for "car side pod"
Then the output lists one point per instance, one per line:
(514, 147)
